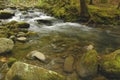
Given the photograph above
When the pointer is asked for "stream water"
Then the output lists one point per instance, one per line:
(102, 39)
(59, 39)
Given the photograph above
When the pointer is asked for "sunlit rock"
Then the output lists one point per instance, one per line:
(6, 45)
(36, 54)
(22, 39)
(87, 64)
(24, 71)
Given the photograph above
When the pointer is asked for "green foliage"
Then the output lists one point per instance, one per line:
(69, 10)
(104, 15)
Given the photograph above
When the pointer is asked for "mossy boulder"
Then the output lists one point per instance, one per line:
(68, 64)
(22, 25)
(6, 45)
(110, 65)
(6, 14)
(87, 64)
(24, 71)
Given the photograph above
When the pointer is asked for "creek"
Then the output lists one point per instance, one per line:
(58, 39)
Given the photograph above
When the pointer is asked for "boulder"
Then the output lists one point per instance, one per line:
(6, 14)
(68, 64)
(22, 25)
(6, 45)
(45, 21)
(36, 54)
(24, 71)
(110, 65)
(87, 64)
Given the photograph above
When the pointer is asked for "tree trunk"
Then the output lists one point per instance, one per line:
(118, 6)
(84, 10)
(91, 2)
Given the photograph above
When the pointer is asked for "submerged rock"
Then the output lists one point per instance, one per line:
(23, 71)
(68, 64)
(21, 34)
(110, 65)
(6, 45)
(87, 65)
(6, 14)
(36, 54)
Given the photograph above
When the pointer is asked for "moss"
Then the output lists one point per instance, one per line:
(110, 64)
(104, 15)
(22, 25)
(5, 14)
(11, 61)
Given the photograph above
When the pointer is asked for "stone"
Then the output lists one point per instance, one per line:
(24, 71)
(6, 14)
(89, 47)
(22, 25)
(110, 65)
(22, 39)
(68, 64)
(87, 65)
(3, 59)
(36, 54)
(6, 45)
(73, 76)
(44, 21)
(21, 34)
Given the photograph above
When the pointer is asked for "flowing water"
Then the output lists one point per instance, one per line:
(102, 39)
(61, 38)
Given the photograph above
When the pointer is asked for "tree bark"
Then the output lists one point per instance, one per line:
(118, 6)
(91, 2)
(84, 10)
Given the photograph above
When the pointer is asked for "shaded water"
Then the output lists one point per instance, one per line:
(59, 38)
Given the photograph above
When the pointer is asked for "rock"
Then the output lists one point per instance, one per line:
(21, 34)
(36, 54)
(100, 78)
(31, 33)
(73, 76)
(22, 39)
(44, 21)
(6, 45)
(22, 25)
(89, 47)
(24, 71)
(87, 64)
(68, 64)
(110, 65)
(3, 59)
(6, 14)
